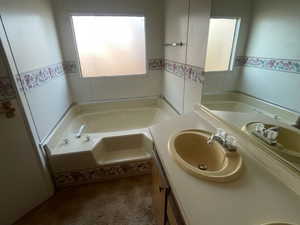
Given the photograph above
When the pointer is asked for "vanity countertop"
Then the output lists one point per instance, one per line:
(255, 198)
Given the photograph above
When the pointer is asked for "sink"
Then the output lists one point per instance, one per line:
(288, 141)
(211, 162)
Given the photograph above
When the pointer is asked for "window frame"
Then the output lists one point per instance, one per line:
(108, 14)
(234, 43)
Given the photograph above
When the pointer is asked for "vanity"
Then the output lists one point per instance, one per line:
(250, 89)
(254, 196)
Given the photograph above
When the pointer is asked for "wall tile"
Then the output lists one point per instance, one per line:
(185, 71)
(39, 77)
(275, 64)
(173, 90)
(72, 68)
(7, 91)
(81, 88)
(132, 86)
(155, 64)
(98, 174)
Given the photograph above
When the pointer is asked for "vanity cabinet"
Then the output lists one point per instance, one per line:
(164, 205)
(160, 190)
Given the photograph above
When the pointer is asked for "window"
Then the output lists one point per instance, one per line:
(221, 44)
(110, 45)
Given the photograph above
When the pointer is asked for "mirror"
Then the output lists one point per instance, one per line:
(252, 72)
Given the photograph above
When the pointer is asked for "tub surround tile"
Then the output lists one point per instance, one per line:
(36, 78)
(185, 71)
(7, 91)
(72, 68)
(275, 64)
(155, 64)
(98, 174)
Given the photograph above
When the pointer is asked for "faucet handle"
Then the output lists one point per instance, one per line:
(260, 128)
(221, 133)
(230, 143)
(272, 134)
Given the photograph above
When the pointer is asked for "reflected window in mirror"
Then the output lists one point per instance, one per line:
(222, 38)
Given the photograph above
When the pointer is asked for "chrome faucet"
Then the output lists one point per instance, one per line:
(269, 135)
(80, 131)
(227, 141)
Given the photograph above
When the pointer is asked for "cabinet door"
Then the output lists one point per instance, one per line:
(174, 216)
(159, 194)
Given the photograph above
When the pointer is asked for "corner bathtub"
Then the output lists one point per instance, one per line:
(238, 102)
(116, 141)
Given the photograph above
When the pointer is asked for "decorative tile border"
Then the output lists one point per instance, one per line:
(156, 64)
(7, 91)
(282, 65)
(38, 77)
(185, 71)
(98, 174)
(71, 67)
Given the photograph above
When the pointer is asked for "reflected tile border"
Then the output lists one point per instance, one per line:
(7, 91)
(282, 65)
(98, 174)
(184, 71)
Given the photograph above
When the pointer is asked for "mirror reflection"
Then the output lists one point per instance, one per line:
(252, 72)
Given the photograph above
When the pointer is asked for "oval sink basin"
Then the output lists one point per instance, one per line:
(207, 161)
(288, 141)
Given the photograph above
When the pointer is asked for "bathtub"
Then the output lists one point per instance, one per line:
(238, 102)
(116, 140)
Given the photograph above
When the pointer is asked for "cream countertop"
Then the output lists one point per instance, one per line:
(256, 198)
(237, 120)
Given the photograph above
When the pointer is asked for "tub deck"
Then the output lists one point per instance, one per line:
(116, 138)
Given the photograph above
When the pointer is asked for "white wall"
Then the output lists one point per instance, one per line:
(274, 33)
(109, 88)
(25, 179)
(199, 14)
(216, 82)
(187, 22)
(32, 35)
(176, 30)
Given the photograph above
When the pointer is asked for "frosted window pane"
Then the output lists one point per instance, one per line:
(110, 45)
(220, 44)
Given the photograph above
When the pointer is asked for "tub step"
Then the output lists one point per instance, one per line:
(123, 148)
